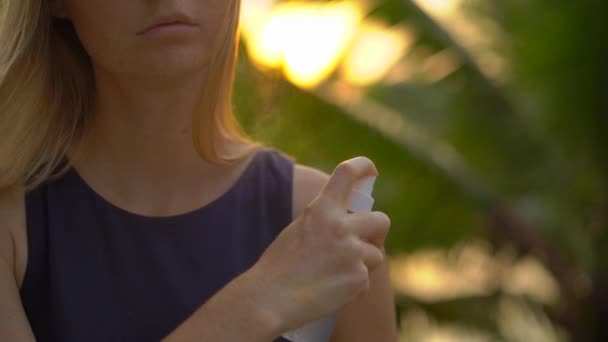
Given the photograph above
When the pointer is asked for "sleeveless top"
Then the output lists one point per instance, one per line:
(96, 272)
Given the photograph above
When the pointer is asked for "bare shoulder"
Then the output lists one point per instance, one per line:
(9, 216)
(14, 325)
(307, 183)
(12, 229)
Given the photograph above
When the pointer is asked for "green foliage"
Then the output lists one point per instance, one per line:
(535, 142)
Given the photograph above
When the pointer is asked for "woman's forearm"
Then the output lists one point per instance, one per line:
(235, 313)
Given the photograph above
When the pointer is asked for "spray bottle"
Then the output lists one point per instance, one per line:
(321, 330)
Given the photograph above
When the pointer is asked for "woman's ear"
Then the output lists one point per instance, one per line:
(59, 9)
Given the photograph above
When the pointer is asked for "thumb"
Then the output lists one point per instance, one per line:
(345, 175)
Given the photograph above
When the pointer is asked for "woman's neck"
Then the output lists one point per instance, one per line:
(138, 147)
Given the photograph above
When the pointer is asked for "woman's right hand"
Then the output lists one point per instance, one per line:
(323, 259)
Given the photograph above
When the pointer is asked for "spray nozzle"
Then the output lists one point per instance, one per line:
(361, 196)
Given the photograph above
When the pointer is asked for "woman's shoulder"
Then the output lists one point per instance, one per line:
(13, 243)
(307, 183)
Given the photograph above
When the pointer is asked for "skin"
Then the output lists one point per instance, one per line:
(138, 153)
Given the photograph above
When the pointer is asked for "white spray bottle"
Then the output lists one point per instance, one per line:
(321, 330)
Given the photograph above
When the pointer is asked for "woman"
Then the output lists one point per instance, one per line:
(124, 217)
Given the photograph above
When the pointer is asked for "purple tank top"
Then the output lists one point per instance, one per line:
(99, 273)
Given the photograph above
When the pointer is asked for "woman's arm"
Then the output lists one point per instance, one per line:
(13, 322)
(235, 313)
(370, 317)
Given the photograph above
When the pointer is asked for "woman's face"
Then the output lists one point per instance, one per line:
(148, 37)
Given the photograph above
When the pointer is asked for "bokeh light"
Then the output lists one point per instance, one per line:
(306, 39)
(375, 50)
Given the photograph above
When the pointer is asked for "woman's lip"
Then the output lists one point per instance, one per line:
(168, 28)
(168, 20)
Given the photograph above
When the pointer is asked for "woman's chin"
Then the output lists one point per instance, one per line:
(168, 67)
(175, 70)
(170, 70)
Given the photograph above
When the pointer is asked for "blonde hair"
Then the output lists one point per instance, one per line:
(47, 92)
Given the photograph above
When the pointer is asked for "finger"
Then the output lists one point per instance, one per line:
(372, 256)
(340, 183)
(372, 227)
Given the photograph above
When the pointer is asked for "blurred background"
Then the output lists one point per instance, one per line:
(487, 122)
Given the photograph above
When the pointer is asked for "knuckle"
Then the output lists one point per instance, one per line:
(379, 258)
(339, 226)
(354, 248)
(361, 273)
